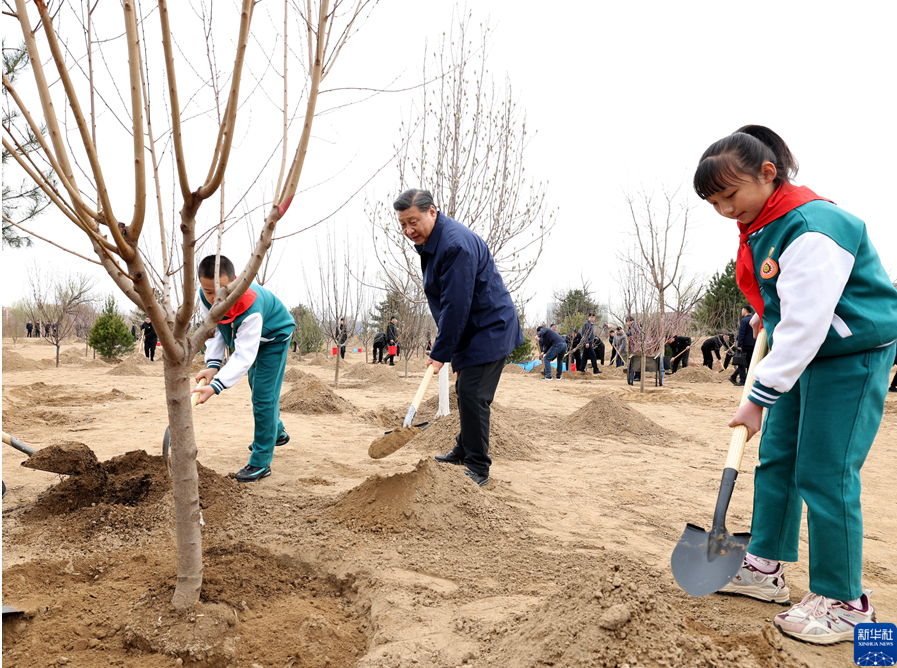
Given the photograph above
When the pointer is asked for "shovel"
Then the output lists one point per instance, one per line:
(706, 561)
(395, 439)
(166, 440)
(62, 459)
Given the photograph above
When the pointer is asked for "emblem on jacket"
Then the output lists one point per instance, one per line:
(769, 268)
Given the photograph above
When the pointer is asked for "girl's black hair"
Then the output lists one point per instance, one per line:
(725, 163)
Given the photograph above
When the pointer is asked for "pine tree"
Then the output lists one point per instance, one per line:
(721, 308)
(110, 335)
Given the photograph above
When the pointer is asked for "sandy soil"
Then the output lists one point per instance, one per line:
(339, 559)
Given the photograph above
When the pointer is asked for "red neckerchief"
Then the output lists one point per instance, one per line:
(240, 307)
(786, 198)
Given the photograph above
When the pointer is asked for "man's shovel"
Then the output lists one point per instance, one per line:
(705, 562)
(166, 440)
(397, 438)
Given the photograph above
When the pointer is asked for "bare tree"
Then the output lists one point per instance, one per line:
(90, 203)
(336, 295)
(55, 300)
(661, 231)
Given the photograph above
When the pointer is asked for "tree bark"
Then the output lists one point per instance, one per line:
(185, 482)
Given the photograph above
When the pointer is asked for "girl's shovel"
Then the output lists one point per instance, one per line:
(706, 561)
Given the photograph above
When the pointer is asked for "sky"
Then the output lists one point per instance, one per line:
(618, 97)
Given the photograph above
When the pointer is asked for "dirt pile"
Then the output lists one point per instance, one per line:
(379, 374)
(387, 416)
(505, 441)
(699, 374)
(627, 616)
(293, 375)
(309, 396)
(27, 419)
(513, 368)
(13, 361)
(127, 368)
(138, 358)
(429, 407)
(73, 357)
(431, 498)
(128, 496)
(98, 364)
(607, 414)
(43, 394)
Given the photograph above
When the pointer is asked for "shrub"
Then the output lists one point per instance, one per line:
(110, 335)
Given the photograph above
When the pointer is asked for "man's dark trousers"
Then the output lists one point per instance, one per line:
(588, 354)
(741, 371)
(476, 387)
(576, 358)
(149, 348)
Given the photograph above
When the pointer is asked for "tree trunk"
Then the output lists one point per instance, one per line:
(444, 406)
(642, 384)
(185, 483)
(336, 373)
(407, 359)
(57, 355)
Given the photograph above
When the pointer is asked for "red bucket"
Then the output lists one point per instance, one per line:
(334, 350)
(393, 350)
(573, 367)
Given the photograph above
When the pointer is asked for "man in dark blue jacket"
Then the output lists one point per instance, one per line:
(475, 317)
(552, 346)
(745, 344)
(588, 348)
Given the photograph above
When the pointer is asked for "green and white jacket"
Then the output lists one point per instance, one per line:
(825, 293)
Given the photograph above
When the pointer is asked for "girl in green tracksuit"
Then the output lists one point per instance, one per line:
(830, 312)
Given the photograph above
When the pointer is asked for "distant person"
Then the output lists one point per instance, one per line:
(341, 336)
(552, 347)
(729, 354)
(621, 343)
(588, 345)
(679, 347)
(599, 349)
(392, 339)
(258, 328)
(613, 350)
(133, 331)
(150, 339)
(29, 327)
(379, 346)
(711, 347)
(745, 345)
(574, 349)
(47, 330)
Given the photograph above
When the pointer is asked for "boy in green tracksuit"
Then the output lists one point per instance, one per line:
(830, 313)
(257, 330)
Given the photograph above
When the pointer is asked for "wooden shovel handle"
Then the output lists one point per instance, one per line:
(195, 397)
(740, 433)
(424, 384)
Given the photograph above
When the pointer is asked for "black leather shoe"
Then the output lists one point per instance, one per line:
(450, 458)
(480, 480)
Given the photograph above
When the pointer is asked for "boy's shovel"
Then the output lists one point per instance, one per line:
(706, 561)
(166, 440)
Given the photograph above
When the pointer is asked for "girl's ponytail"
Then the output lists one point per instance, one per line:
(742, 153)
(785, 162)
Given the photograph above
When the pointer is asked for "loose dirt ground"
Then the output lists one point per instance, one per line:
(341, 560)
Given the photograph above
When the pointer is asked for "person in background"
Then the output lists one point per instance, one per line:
(150, 339)
(679, 347)
(621, 343)
(392, 339)
(574, 349)
(379, 347)
(745, 344)
(552, 347)
(29, 327)
(588, 347)
(711, 347)
(341, 337)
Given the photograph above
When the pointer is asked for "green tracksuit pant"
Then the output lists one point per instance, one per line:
(815, 440)
(265, 381)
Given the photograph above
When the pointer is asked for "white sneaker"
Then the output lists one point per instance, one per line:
(763, 586)
(824, 621)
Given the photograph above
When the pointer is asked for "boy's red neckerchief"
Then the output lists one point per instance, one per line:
(240, 307)
(786, 198)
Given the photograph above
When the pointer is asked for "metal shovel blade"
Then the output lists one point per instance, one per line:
(706, 561)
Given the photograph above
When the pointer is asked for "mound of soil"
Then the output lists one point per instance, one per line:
(431, 498)
(309, 396)
(505, 441)
(139, 358)
(293, 375)
(98, 364)
(43, 394)
(387, 416)
(72, 458)
(129, 495)
(626, 616)
(700, 374)
(73, 357)
(127, 368)
(513, 368)
(429, 407)
(608, 414)
(13, 361)
(24, 419)
(380, 374)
